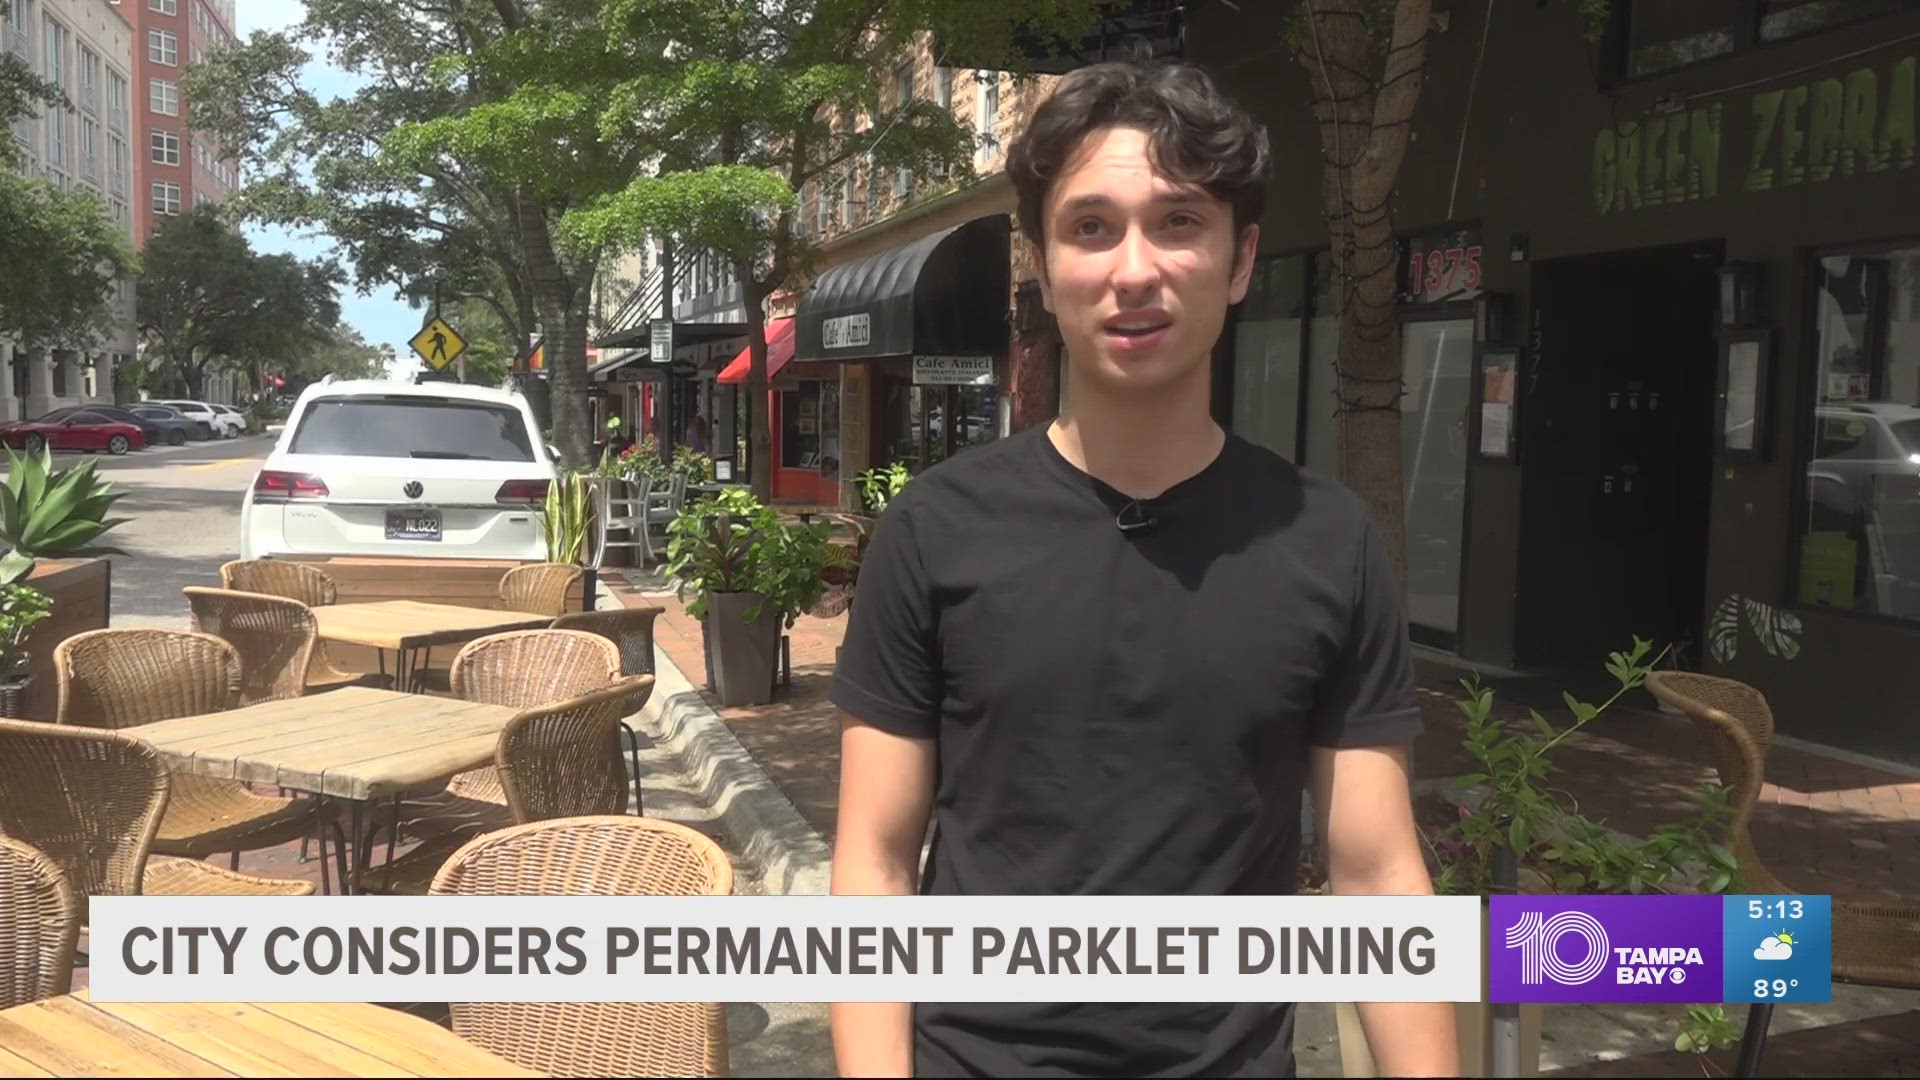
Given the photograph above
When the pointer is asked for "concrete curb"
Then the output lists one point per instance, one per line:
(776, 850)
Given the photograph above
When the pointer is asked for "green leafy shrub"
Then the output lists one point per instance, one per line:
(48, 513)
(22, 607)
(732, 543)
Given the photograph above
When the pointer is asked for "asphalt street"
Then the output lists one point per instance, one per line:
(184, 506)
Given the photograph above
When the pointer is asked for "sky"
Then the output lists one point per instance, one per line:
(382, 318)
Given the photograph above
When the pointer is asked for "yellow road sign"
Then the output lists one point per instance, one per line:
(438, 343)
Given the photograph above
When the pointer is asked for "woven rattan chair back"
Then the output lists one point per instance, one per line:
(542, 588)
(275, 637)
(39, 926)
(280, 577)
(630, 630)
(120, 678)
(564, 759)
(90, 800)
(1734, 720)
(594, 856)
(522, 669)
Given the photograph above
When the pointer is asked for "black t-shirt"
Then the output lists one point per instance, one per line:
(1121, 713)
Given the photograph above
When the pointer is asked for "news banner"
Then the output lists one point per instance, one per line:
(1528, 949)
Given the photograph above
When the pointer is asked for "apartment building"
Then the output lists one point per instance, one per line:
(85, 48)
(175, 170)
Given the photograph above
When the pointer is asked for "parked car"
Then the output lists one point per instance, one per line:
(178, 426)
(83, 430)
(225, 426)
(238, 416)
(1867, 456)
(386, 468)
(155, 434)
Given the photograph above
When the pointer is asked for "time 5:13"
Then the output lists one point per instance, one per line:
(1775, 909)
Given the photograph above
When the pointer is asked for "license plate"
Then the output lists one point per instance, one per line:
(413, 524)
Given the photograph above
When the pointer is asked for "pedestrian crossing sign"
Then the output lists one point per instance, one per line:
(438, 343)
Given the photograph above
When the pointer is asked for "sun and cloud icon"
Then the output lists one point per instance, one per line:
(1777, 947)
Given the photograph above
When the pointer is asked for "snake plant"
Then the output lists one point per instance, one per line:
(52, 514)
(567, 516)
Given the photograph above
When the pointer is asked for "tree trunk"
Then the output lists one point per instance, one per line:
(564, 316)
(1363, 97)
(760, 465)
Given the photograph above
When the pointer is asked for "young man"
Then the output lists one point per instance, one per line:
(1107, 655)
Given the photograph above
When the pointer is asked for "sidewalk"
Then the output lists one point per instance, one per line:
(1825, 825)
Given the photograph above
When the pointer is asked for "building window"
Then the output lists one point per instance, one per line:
(903, 85)
(986, 116)
(164, 7)
(943, 87)
(166, 147)
(89, 80)
(822, 207)
(1662, 35)
(117, 166)
(116, 102)
(166, 197)
(163, 97)
(90, 149)
(849, 210)
(1860, 548)
(163, 47)
(56, 54)
(1267, 352)
(872, 179)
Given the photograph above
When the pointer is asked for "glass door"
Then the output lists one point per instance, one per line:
(1438, 359)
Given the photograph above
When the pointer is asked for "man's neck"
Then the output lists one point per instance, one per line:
(1139, 446)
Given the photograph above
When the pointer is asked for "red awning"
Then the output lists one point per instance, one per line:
(779, 351)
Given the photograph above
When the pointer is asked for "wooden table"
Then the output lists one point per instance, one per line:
(73, 1036)
(352, 745)
(408, 627)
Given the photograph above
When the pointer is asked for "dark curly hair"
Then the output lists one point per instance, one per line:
(1196, 135)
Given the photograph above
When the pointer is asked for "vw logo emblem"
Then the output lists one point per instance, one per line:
(413, 489)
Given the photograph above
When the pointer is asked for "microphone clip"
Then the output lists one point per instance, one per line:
(1134, 518)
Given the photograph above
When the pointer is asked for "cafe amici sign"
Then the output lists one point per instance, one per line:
(1854, 124)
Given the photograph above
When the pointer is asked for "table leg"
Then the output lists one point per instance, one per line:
(393, 838)
(342, 850)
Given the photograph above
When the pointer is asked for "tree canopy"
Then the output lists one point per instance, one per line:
(206, 297)
(62, 254)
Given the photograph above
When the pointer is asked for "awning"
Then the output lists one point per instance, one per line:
(779, 351)
(632, 367)
(684, 333)
(943, 294)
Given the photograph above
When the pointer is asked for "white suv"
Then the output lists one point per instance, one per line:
(437, 470)
(226, 425)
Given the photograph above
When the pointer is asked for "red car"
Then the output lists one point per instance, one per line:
(80, 431)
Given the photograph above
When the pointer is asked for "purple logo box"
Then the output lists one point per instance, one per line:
(1605, 949)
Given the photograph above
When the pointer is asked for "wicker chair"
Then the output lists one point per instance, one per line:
(632, 630)
(542, 588)
(92, 802)
(594, 856)
(311, 586)
(556, 760)
(39, 926)
(122, 678)
(1874, 943)
(274, 635)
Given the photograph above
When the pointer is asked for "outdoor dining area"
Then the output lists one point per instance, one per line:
(508, 769)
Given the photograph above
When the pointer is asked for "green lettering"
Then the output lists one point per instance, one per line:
(1676, 160)
(1766, 109)
(1629, 182)
(1793, 140)
(1605, 173)
(1896, 127)
(1856, 122)
(1652, 158)
(1703, 159)
(1823, 130)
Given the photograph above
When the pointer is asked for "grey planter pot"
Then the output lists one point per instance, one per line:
(745, 655)
(16, 697)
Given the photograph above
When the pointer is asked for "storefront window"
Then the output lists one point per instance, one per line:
(1433, 460)
(916, 421)
(1323, 374)
(1663, 35)
(800, 427)
(829, 429)
(1266, 356)
(1786, 18)
(1861, 547)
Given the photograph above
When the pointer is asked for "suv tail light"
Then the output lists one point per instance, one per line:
(522, 492)
(271, 484)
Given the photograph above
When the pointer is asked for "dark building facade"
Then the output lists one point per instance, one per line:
(1661, 326)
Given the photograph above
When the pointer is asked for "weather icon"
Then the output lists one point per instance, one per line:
(1777, 947)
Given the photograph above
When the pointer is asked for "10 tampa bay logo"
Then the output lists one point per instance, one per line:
(1598, 949)
(1539, 940)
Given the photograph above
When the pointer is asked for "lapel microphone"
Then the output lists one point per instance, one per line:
(1134, 519)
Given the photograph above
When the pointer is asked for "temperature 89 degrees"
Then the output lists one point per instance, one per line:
(1778, 948)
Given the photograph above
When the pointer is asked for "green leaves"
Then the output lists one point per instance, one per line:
(60, 260)
(22, 607)
(46, 514)
(567, 516)
(733, 543)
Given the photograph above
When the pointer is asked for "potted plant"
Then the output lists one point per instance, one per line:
(751, 575)
(1512, 833)
(22, 607)
(878, 486)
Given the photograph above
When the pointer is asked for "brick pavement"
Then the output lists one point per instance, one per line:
(1824, 825)
(1882, 1046)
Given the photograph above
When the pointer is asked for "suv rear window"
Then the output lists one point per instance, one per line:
(412, 427)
